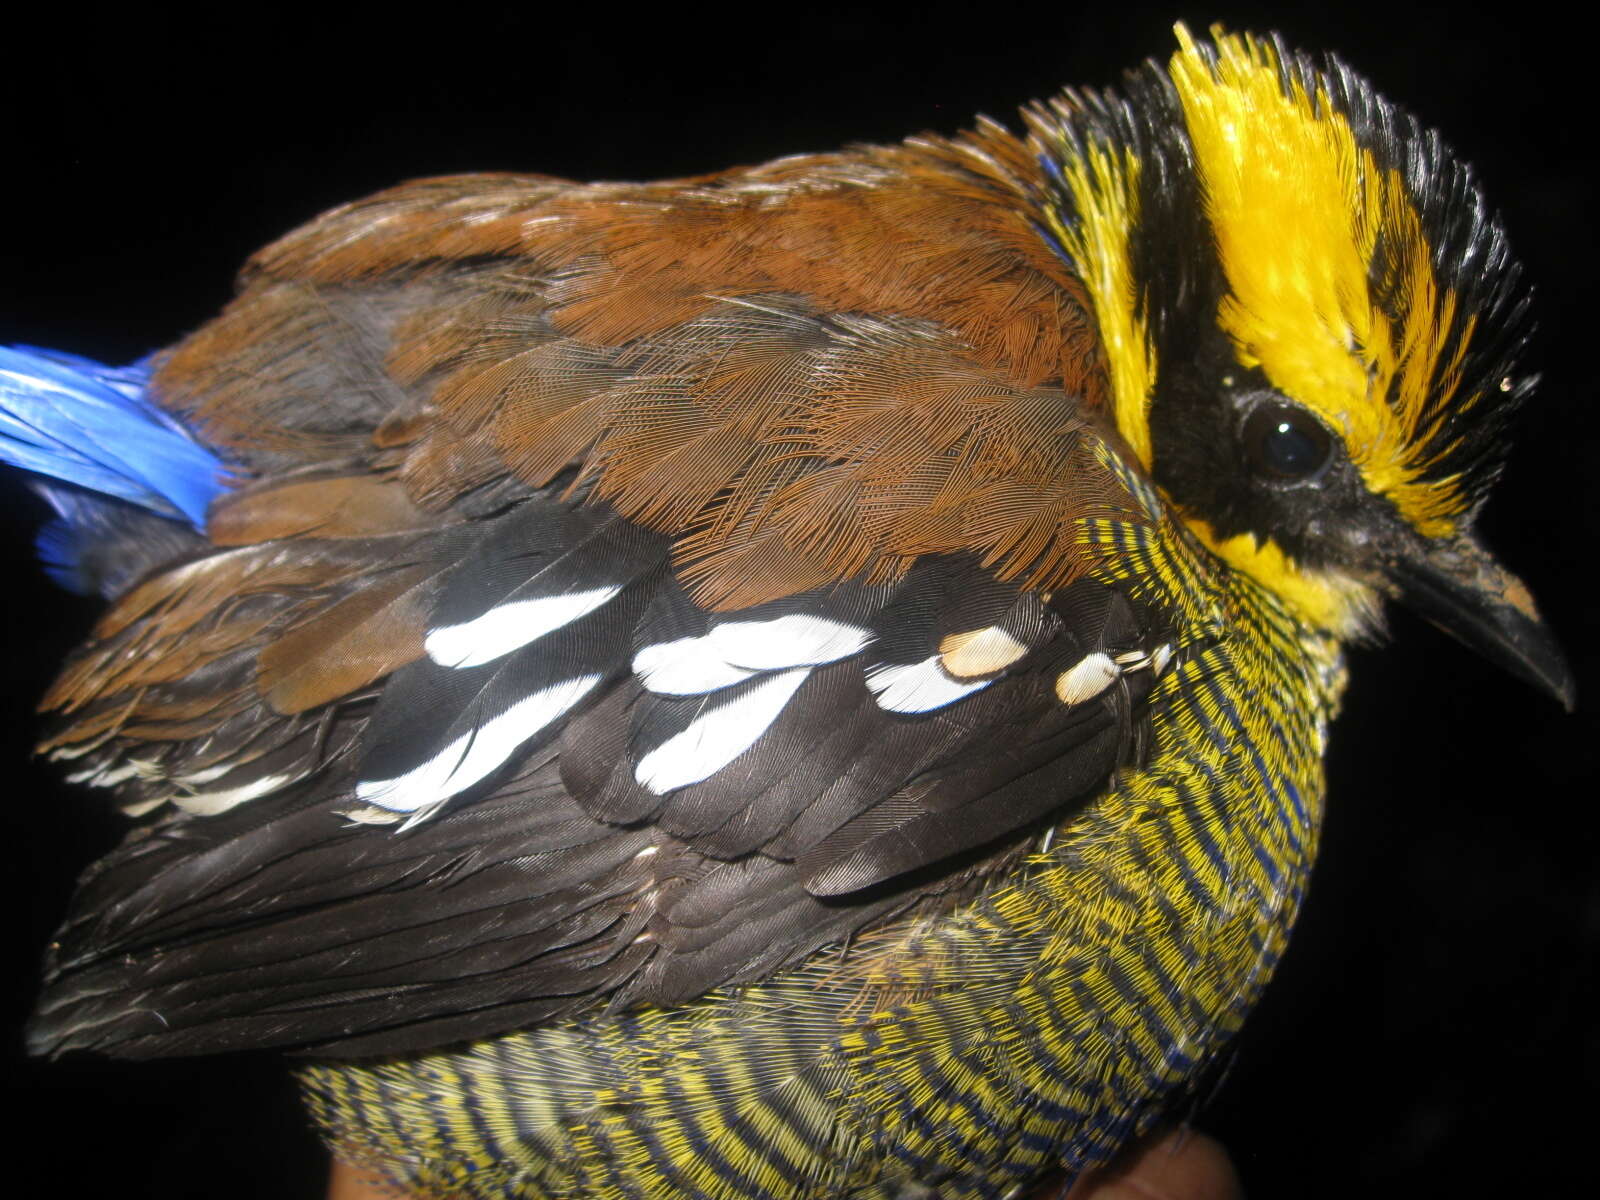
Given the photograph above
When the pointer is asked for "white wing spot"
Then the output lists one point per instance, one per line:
(685, 667)
(735, 651)
(510, 626)
(1086, 678)
(792, 641)
(918, 687)
(980, 651)
(718, 736)
(475, 753)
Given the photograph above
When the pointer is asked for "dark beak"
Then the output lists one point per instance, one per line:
(1456, 585)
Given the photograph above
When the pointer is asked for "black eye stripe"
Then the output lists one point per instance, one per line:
(1285, 444)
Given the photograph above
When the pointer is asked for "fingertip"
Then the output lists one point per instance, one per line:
(347, 1182)
(1180, 1164)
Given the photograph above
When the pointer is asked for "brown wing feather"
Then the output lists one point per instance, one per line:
(809, 369)
(344, 506)
(349, 644)
(817, 369)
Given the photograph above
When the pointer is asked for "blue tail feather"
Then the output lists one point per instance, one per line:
(107, 460)
(77, 422)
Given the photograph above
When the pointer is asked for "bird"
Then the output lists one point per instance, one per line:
(809, 681)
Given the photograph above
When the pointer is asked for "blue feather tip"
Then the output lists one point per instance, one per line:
(87, 431)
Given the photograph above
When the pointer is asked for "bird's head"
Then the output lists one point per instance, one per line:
(1310, 320)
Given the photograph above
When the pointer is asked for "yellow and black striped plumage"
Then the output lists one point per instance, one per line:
(805, 682)
(1082, 992)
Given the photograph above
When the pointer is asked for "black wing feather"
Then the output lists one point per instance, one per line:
(560, 881)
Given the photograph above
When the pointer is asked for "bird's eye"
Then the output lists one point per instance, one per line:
(1286, 444)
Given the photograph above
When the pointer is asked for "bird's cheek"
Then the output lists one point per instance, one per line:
(1326, 600)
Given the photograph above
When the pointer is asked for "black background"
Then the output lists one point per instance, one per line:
(1432, 1030)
